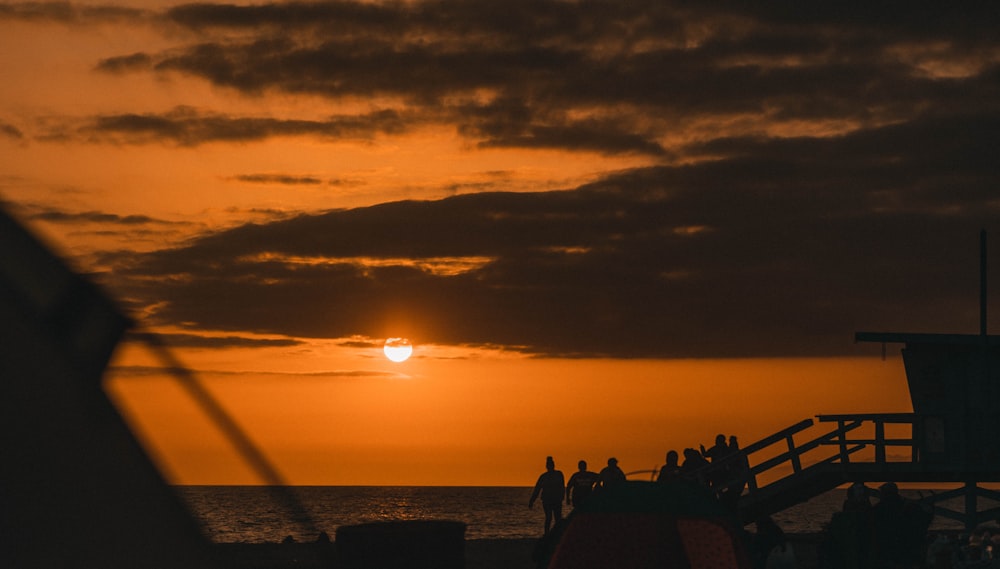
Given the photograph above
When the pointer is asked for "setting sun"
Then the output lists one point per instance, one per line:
(398, 349)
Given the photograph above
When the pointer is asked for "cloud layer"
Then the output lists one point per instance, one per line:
(808, 171)
(738, 257)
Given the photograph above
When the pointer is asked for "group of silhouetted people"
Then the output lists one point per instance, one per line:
(554, 490)
(727, 481)
(890, 533)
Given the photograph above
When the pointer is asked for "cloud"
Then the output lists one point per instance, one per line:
(58, 216)
(646, 79)
(155, 371)
(215, 342)
(282, 179)
(810, 171)
(187, 126)
(126, 63)
(8, 130)
(70, 13)
(776, 247)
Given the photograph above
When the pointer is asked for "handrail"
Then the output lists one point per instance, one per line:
(705, 472)
(879, 442)
(782, 434)
(884, 417)
(839, 436)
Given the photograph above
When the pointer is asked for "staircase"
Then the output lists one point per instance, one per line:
(784, 472)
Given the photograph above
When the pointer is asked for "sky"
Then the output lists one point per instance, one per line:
(608, 229)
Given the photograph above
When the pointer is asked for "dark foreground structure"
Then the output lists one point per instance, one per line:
(76, 488)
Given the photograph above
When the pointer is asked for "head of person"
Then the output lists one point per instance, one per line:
(582, 465)
(549, 463)
(858, 491)
(612, 462)
(672, 457)
(733, 443)
(720, 439)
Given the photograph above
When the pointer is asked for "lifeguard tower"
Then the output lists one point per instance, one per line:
(954, 385)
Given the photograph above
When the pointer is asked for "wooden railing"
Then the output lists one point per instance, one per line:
(879, 442)
(794, 477)
(792, 454)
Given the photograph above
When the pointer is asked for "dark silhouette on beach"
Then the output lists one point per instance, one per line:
(611, 475)
(740, 467)
(891, 533)
(671, 470)
(551, 485)
(581, 485)
(719, 452)
(732, 478)
(769, 540)
(693, 462)
(899, 526)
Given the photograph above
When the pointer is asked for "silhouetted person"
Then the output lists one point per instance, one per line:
(717, 454)
(580, 485)
(857, 499)
(718, 451)
(889, 525)
(693, 462)
(610, 475)
(550, 486)
(768, 538)
(671, 470)
(854, 525)
(741, 465)
(900, 528)
(735, 475)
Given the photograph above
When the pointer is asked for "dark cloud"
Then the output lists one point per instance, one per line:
(816, 170)
(214, 342)
(10, 131)
(187, 126)
(59, 216)
(126, 63)
(154, 371)
(597, 76)
(69, 13)
(283, 179)
(775, 248)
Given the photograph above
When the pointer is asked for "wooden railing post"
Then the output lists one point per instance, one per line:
(879, 441)
(845, 457)
(793, 456)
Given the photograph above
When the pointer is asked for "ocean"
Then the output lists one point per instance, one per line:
(261, 514)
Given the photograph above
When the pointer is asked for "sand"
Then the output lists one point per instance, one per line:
(479, 554)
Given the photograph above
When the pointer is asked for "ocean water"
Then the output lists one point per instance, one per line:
(260, 514)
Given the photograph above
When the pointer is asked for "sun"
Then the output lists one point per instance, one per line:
(398, 349)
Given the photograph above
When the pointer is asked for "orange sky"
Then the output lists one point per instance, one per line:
(487, 419)
(608, 229)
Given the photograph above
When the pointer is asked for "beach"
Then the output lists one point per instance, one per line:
(479, 554)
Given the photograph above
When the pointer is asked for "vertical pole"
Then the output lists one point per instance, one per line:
(879, 441)
(842, 437)
(794, 455)
(971, 507)
(982, 282)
